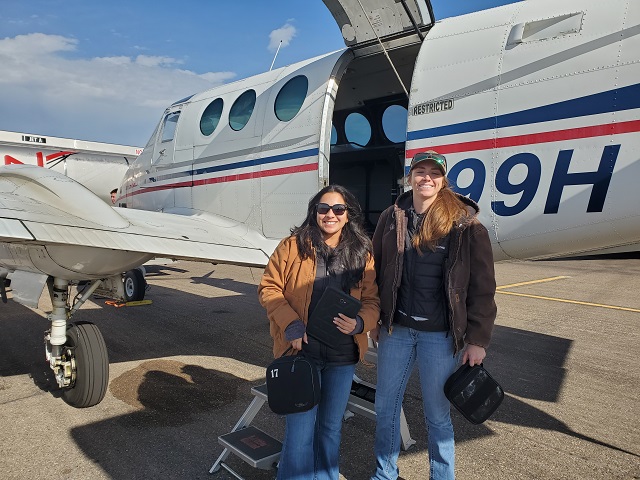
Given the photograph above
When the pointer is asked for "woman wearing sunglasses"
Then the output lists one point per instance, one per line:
(437, 287)
(330, 248)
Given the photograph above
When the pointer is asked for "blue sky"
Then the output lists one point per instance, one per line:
(105, 71)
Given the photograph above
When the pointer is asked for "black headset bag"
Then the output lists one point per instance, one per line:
(293, 384)
(473, 392)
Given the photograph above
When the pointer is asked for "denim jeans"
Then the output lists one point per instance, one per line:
(311, 446)
(397, 355)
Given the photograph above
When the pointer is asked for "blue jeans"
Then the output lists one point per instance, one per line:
(311, 446)
(397, 354)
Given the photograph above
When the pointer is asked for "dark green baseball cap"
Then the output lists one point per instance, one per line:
(439, 160)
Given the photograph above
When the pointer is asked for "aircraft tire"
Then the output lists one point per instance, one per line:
(134, 285)
(92, 365)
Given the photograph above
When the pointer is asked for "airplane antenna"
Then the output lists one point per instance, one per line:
(384, 50)
(276, 55)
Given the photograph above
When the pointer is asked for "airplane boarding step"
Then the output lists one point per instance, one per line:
(253, 446)
(262, 451)
(249, 443)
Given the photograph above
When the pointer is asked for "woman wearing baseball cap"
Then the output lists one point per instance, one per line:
(436, 281)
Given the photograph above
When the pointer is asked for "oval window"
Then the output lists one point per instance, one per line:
(334, 134)
(242, 109)
(357, 129)
(211, 117)
(394, 123)
(290, 98)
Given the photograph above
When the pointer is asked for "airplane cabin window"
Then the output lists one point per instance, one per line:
(169, 127)
(334, 135)
(242, 109)
(290, 98)
(211, 117)
(357, 129)
(394, 123)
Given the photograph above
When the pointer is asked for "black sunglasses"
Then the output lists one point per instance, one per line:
(338, 208)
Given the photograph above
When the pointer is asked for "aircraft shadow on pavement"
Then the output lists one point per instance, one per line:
(153, 271)
(181, 410)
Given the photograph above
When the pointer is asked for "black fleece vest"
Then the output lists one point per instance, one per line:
(421, 297)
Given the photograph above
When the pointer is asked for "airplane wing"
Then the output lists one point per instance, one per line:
(46, 209)
(54, 230)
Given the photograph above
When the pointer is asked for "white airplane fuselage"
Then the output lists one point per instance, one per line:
(535, 104)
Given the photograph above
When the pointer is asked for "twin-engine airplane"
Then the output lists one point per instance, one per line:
(536, 105)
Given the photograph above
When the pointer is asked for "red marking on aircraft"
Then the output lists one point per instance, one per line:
(40, 158)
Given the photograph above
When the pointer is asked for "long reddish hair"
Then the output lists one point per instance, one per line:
(440, 218)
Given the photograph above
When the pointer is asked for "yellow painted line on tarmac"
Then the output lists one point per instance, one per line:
(531, 282)
(613, 307)
(553, 299)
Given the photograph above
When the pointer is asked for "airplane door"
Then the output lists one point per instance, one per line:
(362, 22)
(160, 194)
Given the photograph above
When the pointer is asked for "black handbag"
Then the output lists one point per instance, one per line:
(473, 392)
(293, 384)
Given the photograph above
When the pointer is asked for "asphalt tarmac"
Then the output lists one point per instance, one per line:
(565, 349)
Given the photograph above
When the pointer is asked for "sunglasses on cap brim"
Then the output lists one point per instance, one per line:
(338, 208)
(436, 157)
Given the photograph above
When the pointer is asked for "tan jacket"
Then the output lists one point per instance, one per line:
(285, 292)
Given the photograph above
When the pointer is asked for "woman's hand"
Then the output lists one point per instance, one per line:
(297, 343)
(375, 334)
(344, 323)
(473, 354)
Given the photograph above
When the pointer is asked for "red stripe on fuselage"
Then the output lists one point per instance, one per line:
(533, 138)
(229, 178)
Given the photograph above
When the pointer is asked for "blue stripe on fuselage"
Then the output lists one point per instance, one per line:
(625, 98)
(246, 163)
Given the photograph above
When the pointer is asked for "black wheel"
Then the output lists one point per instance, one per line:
(134, 285)
(86, 350)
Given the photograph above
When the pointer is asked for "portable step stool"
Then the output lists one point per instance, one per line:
(262, 451)
(249, 443)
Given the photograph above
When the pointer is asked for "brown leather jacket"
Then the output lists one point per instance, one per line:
(285, 292)
(470, 283)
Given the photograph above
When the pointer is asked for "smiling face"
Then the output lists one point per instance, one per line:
(331, 224)
(426, 181)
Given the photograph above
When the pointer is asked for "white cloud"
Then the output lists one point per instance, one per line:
(35, 44)
(155, 61)
(111, 99)
(283, 34)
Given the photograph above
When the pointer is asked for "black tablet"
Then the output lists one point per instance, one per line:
(332, 302)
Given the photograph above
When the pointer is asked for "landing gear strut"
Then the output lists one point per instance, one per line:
(76, 352)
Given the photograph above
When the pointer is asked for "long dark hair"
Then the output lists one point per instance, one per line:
(354, 246)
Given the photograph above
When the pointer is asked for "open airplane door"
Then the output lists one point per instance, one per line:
(370, 116)
(366, 23)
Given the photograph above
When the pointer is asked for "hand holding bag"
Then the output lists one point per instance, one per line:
(293, 384)
(473, 392)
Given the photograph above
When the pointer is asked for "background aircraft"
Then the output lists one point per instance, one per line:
(535, 105)
(98, 166)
